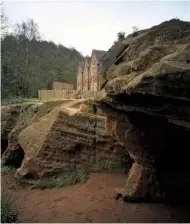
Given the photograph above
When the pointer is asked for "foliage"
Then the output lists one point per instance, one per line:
(9, 212)
(7, 169)
(30, 64)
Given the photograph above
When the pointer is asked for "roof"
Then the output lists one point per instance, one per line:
(81, 63)
(98, 54)
(87, 60)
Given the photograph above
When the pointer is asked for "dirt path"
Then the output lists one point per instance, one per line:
(91, 202)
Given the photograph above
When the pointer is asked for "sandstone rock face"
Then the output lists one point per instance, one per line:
(9, 117)
(148, 109)
(67, 135)
(154, 61)
(16, 118)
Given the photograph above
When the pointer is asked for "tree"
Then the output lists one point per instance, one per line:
(135, 29)
(5, 24)
(28, 30)
(121, 36)
(30, 64)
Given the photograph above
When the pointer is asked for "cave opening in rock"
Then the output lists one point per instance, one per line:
(170, 145)
(29, 176)
(126, 163)
(4, 144)
(173, 163)
(14, 158)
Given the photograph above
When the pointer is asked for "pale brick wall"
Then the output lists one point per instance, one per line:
(93, 74)
(86, 76)
(80, 78)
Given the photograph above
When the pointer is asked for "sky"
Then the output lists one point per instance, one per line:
(87, 25)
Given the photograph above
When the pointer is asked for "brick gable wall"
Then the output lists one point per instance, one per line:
(86, 76)
(62, 86)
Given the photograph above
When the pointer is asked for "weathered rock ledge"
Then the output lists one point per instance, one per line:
(147, 104)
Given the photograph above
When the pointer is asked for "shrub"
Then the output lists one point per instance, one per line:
(135, 31)
(121, 36)
(9, 212)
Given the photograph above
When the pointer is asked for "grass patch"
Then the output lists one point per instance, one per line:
(63, 179)
(107, 166)
(9, 212)
(7, 169)
(123, 68)
(13, 185)
(6, 102)
(47, 99)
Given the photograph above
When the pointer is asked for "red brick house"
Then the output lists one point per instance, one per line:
(94, 68)
(62, 86)
(88, 71)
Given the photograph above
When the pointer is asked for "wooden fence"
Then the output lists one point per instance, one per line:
(45, 95)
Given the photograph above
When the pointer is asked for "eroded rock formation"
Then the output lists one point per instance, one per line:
(9, 116)
(61, 136)
(14, 120)
(147, 82)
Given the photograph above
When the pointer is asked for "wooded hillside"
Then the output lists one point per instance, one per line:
(29, 63)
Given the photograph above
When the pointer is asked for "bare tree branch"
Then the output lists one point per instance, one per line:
(5, 24)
